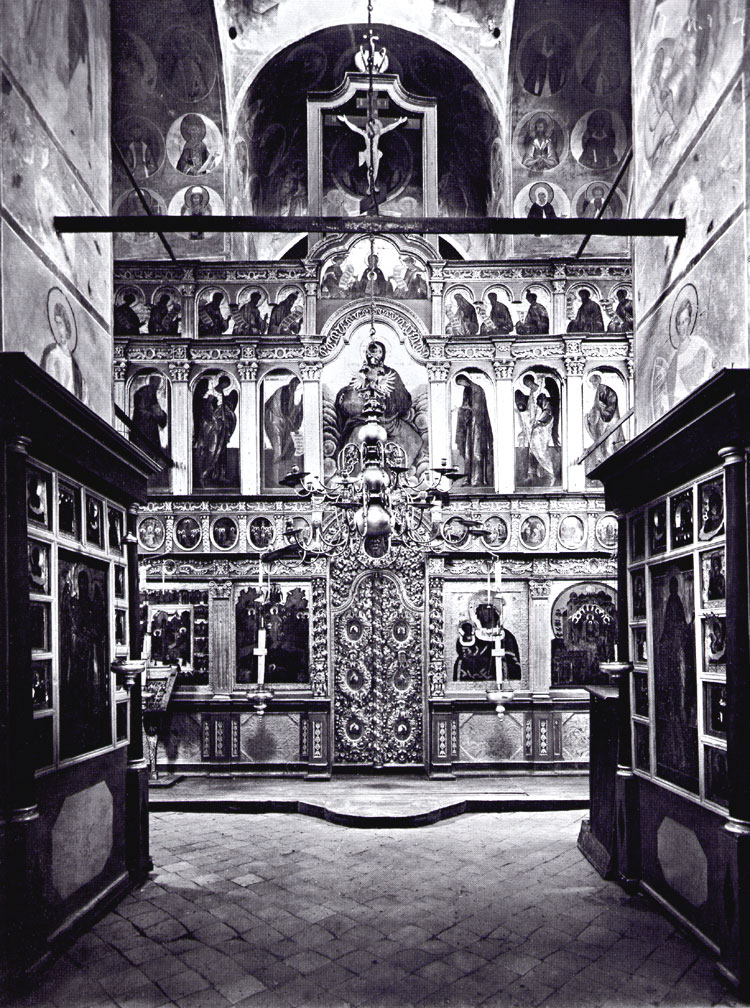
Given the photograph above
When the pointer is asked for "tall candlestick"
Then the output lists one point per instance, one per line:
(498, 576)
(260, 652)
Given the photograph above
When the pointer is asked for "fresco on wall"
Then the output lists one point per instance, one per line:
(215, 432)
(60, 51)
(391, 273)
(675, 714)
(39, 183)
(695, 331)
(284, 613)
(169, 120)
(472, 394)
(282, 438)
(472, 617)
(685, 56)
(538, 439)
(570, 110)
(83, 613)
(706, 191)
(584, 624)
(60, 335)
(383, 368)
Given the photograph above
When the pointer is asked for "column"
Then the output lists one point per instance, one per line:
(188, 320)
(575, 364)
(120, 373)
(436, 295)
(539, 638)
(311, 307)
(221, 644)
(559, 319)
(312, 421)
(249, 428)
(180, 426)
(22, 850)
(505, 450)
(440, 418)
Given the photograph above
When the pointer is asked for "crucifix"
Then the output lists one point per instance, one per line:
(371, 128)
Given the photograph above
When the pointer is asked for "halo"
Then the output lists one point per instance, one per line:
(192, 119)
(542, 185)
(595, 185)
(204, 194)
(480, 598)
(56, 298)
(535, 117)
(690, 294)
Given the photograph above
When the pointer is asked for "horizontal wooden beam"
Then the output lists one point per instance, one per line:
(556, 226)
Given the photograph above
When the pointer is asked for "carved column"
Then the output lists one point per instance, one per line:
(312, 421)
(311, 307)
(436, 294)
(539, 638)
(441, 440)
(221, 643)
(120, 374)
(559, 320)
(505, 457)
(188, 326)
(249, 428)
(180, 426)
(575, 364)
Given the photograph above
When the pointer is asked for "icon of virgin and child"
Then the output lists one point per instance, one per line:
(483, 642)
(404, 416)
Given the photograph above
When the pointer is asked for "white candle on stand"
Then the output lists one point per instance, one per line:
(498, 576)
(261, 653)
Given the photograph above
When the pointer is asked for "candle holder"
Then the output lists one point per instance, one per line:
(127, 671)
(500, 696)
(614, 670)
(259, 694)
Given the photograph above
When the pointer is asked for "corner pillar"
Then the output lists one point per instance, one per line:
(221, 644)
(180, 426)
(505, 451)
(250, 437)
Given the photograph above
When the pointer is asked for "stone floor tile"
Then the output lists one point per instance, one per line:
(148, 996)
(180, 984)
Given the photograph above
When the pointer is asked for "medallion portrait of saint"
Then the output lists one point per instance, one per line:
(58, 358)
(545, 57)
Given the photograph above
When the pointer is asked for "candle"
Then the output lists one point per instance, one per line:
(260, 571)
(498, 576)
(489, 583)
(146, 649)
(261, 653)
(616, 653)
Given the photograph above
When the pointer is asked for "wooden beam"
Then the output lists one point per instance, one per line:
(627, 227)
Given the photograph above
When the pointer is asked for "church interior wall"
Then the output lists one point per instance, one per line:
(55, 130)
(689, 115)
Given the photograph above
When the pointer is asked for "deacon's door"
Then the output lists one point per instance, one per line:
(378, 702)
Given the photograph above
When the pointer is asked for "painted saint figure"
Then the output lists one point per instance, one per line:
(126, 319)
(589, 315)
(538, 448)
(58, 358)
(197, 203)
(622, 321)
(499, 322)
(474, 440)
(598, 141)
(211, 321)
(603, 418)
(148, 416)
(536, 320)
(195, 159)
(375, 376)
(465, 321)
(164, 318)
(475, 648)
(540, 152)
(248, 320)
(282, 417)
(214, 421)
(281, 313)
(541, 197)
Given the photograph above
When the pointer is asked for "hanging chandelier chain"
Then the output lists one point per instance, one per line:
(371, 134)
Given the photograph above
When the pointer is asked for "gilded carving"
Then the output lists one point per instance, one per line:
(437, 671)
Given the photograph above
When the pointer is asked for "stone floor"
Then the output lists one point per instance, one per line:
(280, 910)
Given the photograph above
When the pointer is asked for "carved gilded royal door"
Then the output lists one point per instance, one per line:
(377, 661)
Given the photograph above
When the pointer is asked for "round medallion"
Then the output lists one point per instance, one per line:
(455, 532)
(354, 629)
(151, 533)
(401, 678)
(533, 532)
(606, 532)
(355, 679)
(402, 729)
(497, 529)
(571, 532)
(260, 533)
(224, 533)
(187, 532)
(354, 728)
(401, 630)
